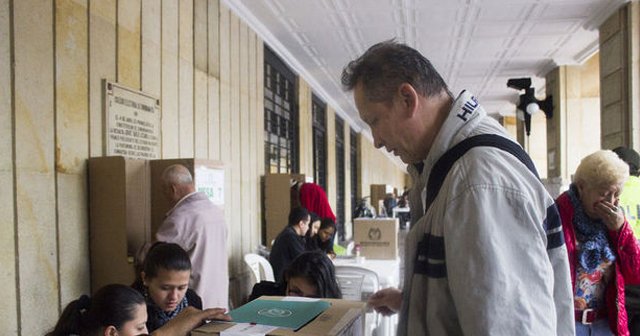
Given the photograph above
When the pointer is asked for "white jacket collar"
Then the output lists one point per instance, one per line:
(465, 113)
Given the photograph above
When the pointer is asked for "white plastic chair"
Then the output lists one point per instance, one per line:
(263, 251)
(358, 284)
(260, 267)
(350, 286)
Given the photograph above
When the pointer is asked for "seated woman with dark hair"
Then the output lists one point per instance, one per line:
(323, 240)
(113, 310)
(311, 274)
(314, 226)
(121, 310)
(164, 282)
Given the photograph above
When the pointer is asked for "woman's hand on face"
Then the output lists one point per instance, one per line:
(611, 215)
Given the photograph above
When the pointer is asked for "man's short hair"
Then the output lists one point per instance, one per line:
(177, 174)
(297, 214)
(386, 65)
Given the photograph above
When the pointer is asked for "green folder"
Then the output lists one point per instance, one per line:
(284, 314)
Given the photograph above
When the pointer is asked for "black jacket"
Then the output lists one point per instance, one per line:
(288, 246)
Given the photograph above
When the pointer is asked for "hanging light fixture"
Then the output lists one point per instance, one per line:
(529, 104)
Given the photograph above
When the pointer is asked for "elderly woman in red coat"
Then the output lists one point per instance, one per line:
(603, 253)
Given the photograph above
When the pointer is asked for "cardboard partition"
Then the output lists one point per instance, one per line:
(342, 318)
(277, 203)
(118, 217)
(378, 237)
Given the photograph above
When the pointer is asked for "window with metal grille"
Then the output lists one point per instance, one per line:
(319, 114)
(353, 144)
(280, 116)
(340, 178)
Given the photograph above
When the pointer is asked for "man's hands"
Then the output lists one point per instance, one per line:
(387, 301)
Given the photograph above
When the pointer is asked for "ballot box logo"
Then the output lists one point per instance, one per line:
(375, 233)
(275, 312)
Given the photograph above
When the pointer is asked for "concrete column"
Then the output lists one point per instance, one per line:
(619, 75)
(571, 134)
(509, 123)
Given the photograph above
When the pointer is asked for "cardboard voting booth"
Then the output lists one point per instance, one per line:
(277, 203)
(378, 237)
(341, 318)
(126, 206)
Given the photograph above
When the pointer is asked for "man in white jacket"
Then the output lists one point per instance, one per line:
(486, 256)
(198, 226)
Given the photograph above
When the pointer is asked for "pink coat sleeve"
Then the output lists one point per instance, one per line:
(628, 252)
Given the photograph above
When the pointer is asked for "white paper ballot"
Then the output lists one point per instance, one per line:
(247, 329)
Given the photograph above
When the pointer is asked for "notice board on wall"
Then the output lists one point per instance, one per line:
(210, 180)
(132, 123)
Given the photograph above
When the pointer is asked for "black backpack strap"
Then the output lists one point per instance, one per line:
(445, 162)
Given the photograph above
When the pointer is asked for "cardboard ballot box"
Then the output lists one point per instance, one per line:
(342, 318)
(378, 237)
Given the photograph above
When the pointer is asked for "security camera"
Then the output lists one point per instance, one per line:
(519, 83)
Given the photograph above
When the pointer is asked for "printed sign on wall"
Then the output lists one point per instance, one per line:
(211, 182)
(132, 125)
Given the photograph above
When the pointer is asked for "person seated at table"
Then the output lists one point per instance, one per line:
(290, 242)
(164, 282)
(314, 226)
(113, 309)
(311, 274)
(323, 240)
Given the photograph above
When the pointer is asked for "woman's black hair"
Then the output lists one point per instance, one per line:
(314, 218)
(112, 305)
(327, 223)
(297, 214)
(168, 256)
(317, 268)
(326, 246)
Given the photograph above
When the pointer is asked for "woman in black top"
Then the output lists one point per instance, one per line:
(164, 282)
(311, 274)
(323, 239)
